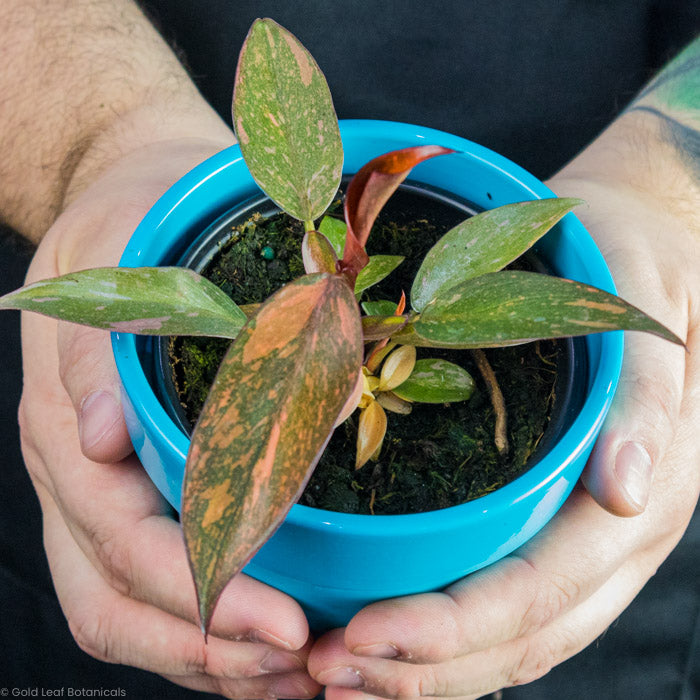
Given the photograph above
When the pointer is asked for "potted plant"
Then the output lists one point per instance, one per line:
(295, 367)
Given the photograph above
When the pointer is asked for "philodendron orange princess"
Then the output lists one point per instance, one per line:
(320, 347)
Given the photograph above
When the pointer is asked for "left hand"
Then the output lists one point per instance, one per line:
(513, 621)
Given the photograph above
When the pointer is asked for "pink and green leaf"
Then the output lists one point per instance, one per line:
(142, 300)
(271, 410)
(436, 381)
(509, 307)
(485, 243)
(285, 122)
(317, 253)
(369, 191)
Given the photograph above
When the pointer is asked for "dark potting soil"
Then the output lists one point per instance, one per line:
(439, 455)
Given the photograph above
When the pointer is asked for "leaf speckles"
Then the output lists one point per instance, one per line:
(274, 402)
(218, 500)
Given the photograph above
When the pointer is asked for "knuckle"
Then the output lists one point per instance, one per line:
(92, 633)
(551, 595)
(114, 559)
(532, 661)
(656, 397)
(411, 684)
(81, 352)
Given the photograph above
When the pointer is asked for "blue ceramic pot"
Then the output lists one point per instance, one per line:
(335, 563)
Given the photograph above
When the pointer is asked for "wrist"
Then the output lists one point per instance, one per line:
(634, 159)
(86, 82)
(165, 118)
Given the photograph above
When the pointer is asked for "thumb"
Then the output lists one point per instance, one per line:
(640, 426)
(89, 375)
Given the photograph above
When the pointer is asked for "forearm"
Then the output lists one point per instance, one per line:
(653, 148)
(83, 82)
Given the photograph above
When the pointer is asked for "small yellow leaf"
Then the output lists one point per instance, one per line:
(378, 354)
(366, 397)
(370, 433)
(397, 367)
(391, 402)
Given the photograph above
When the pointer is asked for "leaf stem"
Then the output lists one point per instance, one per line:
(309, 226)
(497, 401)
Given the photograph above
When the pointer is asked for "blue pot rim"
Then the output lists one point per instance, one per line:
(574, 443)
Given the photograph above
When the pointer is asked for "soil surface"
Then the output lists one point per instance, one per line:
(439, 455)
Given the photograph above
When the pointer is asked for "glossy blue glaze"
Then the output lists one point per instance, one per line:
(335, 563)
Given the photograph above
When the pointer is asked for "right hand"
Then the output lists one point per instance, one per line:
(117, 558)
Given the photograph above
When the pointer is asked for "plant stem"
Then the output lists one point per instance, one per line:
(309, 226)
(499, 404)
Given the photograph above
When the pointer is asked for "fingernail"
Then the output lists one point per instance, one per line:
(99, 411)
(280, 662)
(342, 676)
(379, 651)
(263, 637)
(633, 470)
(289, 688)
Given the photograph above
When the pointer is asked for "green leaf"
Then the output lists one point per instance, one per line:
(285, 122)
(485, 243)
(143, 300)
(317, 253)
(436, 381)
(335, 231)
(383, 307)
(378, 267)
(504, 308)
(271, 410)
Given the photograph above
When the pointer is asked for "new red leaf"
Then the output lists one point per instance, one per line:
(369, 191)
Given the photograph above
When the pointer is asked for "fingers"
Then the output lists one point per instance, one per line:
(118, 629)
(90, 378)
(513, 598)
(116, 516)
(513, 662)
(640, 427)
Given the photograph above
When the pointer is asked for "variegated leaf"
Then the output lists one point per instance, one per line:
(503, 308)
(436, 381)
(485, 243)
(143, 300)
(378, 267)
(271, 410)
(285, 122)
(317, 253)
(380, 327)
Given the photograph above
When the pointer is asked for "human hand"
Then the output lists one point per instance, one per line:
(510, 623)
(117, 558)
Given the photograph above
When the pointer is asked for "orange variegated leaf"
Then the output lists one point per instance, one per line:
(369, 191)
(271, 410)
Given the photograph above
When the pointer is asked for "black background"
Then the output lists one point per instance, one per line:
(535, 81)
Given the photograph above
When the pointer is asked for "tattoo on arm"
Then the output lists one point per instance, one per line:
(674, 97)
